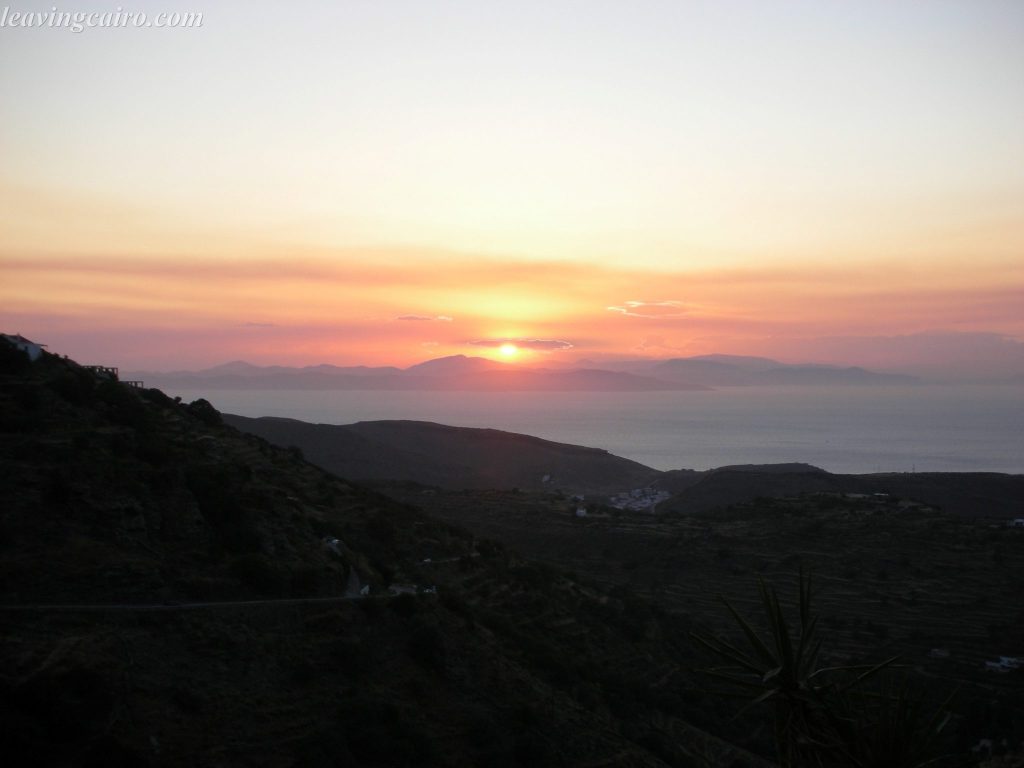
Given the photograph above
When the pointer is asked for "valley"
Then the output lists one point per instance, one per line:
(178, 592)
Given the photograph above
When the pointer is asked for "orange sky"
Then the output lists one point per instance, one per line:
(380, 184)
(381, 307)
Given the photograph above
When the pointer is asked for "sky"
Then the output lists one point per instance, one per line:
(386, 181)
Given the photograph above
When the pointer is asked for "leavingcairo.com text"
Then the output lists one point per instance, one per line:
(79, 21)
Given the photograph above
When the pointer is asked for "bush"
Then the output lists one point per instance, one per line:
(157, 397)
(205, 412)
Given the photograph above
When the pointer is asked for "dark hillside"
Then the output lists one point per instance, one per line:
(723, 487)
(451, 457)
(978, 494)
(174, 592)
(457, 458)
(894, 578)
(971, 494)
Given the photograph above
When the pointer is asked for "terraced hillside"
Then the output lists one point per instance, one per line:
(894, 577)
(971, 494)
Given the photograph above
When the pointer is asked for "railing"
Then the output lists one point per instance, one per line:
(102, 370)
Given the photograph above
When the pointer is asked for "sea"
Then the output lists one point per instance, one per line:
(922, 428)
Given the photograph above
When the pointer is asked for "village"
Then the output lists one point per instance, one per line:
(639, 499)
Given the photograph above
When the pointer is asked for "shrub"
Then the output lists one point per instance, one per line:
(823, 716)
(205, 412)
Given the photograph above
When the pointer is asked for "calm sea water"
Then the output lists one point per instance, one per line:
(869, 429)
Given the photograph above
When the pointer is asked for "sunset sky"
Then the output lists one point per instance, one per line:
(387, 181)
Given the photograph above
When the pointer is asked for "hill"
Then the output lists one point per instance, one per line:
(458, 457)
(175, 592)
(453, 365)
(450, 457)
(939, 591)
(989, 495)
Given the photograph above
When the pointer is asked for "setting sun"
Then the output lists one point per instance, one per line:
(566, 317)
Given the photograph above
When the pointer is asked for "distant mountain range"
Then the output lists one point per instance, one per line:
(459, 372)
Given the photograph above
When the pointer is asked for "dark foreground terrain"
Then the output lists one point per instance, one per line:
(175, 592)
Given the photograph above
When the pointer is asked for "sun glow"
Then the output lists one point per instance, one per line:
(508, 350)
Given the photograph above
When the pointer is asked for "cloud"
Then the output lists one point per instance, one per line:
(651, 309)
(542, 345)
(426, 318)
(259, 325)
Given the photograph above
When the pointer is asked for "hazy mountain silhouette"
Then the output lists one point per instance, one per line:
(730, 370)
(454, 365)
(461, 372)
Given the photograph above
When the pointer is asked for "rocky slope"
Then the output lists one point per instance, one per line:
(174, 592)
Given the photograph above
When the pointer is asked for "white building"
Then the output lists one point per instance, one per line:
(30, 348)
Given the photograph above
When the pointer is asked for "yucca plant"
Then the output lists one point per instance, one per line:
(822, 716)
(888, 724)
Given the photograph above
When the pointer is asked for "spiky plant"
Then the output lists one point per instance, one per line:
(823, 717)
